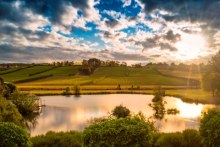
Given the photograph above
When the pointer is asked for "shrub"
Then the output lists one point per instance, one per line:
(60, 139)
(119, 132)
(188, 138)
(120, 111)
(209, 128)
(12, 136)
(9, 112)
(25, 103)
(192, 138)
(170, 140)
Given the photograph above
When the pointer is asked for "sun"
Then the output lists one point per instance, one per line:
(191, 46)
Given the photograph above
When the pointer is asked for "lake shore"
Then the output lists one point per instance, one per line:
(187, 95)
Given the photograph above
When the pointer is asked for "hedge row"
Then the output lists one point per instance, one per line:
(39, 72)
(11, 71)
(33, 79)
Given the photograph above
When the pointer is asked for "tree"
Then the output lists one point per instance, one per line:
(77, 90)
(215, 63)
(118, 87)
(129, 131)
(13, 136)
(67, 91)
(95, 63)
(209, 128)
(120, 111)
(212, 77)
(159, 93)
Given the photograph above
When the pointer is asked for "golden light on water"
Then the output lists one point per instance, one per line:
(189, 110)
(191, 46)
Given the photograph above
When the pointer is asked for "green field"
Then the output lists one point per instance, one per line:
(102, 76)
(105, 80)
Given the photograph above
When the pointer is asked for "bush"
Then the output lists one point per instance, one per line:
(60, 139)
(12, 136)
(209, 128)
(9, 112)
(170, 140)
(188, 138)
(25, 103)
(119, 132)
(120, 111)
(192, 138)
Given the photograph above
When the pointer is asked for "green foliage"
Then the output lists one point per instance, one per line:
(188, 138)
(9, 112)
(192, 138)
(42, 71)
(13, 136)
(60, 139)
(120, 111)
(12, 87)
(88, 67)
(24, 102)
(211, 78)
(170, 140)
(123, 132)
(209, 128)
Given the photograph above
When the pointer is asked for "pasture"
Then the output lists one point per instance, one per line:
(104, 80)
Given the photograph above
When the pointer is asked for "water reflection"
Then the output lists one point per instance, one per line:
(69, 113)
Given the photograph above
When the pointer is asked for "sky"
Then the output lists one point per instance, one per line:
(133, 31)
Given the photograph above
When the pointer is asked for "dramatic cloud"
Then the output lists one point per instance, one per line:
(132, 30)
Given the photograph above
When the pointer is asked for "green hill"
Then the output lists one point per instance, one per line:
(67, 75)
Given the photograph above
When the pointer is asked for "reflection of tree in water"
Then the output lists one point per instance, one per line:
(158, 105)
(159, 109)
(30, 120)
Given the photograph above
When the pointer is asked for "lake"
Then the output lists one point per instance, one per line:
(63, 113)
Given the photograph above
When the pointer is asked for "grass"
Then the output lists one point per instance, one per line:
(106, 79)
(102, 76)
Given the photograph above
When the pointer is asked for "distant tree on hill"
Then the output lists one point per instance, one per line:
(88, 67)
(212, 77)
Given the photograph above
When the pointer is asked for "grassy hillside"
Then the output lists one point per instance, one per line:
(67, 75)
(43, 70)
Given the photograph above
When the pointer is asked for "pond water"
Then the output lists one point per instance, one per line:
(63, 113)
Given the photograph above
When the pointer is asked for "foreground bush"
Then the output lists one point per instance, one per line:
(9, 112)
(188, 138)
(209, 128)
(120, 111)
(60, 139)
(13, 136)
(119, 132)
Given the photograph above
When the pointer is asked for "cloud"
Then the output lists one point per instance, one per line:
(170, 36)
(111, 23)
(126, 3)
(189, 10)
(126, 29)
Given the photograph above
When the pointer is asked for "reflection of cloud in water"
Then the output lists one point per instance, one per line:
(68, 113)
